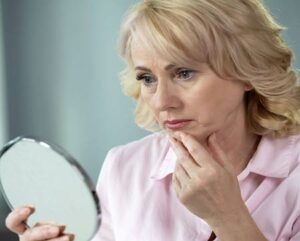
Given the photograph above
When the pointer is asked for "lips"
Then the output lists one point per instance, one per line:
(176, 124)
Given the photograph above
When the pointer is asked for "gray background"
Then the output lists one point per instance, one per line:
(59, 75)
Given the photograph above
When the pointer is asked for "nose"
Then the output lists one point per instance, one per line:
(165, 97)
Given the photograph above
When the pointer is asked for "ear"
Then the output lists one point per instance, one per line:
(248, 87)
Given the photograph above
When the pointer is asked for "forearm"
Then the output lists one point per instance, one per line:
(239, 227)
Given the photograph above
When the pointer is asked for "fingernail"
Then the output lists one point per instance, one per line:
(25, 211)
(53, 230)
(176, 135)
(30, 206)
(62, 228)
(72, 237)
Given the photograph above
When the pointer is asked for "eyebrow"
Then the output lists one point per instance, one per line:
(168, 67)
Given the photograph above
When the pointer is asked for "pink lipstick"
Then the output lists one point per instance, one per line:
(176, 124)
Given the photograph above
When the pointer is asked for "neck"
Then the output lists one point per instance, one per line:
(238, 143)
(241, 151)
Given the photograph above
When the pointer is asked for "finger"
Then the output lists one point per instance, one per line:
(191, 168)
(182, 153)
(175, 146)
(61, 226)
(70, 236)
(15, 221)
(187, 163)
(197, 151)
(44, 232)
(175, 135)
(217, 151)
(181, 174)
(65, 237)
(176, 183)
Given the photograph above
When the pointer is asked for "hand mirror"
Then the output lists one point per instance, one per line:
(33, 172)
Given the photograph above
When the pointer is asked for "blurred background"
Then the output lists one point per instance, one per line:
(59, 76)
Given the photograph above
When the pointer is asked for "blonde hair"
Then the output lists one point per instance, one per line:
(237, 38)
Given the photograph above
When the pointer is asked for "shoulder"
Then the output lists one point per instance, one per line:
(137, 157)
(295, 152)
(297, 147)
(152, 144)
(293, 158)
(288, 153)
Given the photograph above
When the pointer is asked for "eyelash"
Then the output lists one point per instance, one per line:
(189, 71)
(143, 77)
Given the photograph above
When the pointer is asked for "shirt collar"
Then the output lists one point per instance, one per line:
(273, 158)
(166, 167)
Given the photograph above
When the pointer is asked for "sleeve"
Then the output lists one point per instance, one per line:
(105, 232)
(296, 231)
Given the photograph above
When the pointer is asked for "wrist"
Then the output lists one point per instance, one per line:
(237, 226)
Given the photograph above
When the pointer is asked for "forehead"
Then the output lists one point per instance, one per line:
(143, 55)
(153, 48)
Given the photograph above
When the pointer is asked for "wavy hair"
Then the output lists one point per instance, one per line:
(238, 39)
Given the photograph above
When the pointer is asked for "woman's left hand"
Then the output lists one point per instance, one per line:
(205, 181)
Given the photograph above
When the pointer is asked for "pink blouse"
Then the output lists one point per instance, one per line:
(139, 204)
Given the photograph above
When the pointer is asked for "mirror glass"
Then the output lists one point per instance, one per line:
(33, 172)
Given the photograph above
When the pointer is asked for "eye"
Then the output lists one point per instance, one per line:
(184, 74)
(147, 79)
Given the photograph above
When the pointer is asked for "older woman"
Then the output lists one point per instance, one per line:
(216, 79)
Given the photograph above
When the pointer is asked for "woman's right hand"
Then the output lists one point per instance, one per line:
(16, 220)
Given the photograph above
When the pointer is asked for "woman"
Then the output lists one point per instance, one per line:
(216, 78)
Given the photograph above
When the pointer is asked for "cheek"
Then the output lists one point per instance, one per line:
(146, 98)
(215, 100)
(202, 97)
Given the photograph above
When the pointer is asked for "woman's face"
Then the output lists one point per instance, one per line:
(195, 101)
